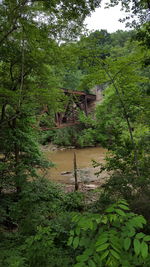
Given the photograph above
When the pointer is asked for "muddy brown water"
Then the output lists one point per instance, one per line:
(63, 160)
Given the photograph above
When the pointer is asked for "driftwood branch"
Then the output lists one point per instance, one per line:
(75, 173)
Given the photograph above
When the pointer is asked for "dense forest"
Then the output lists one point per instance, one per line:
(44, 46)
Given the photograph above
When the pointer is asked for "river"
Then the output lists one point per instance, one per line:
(63, 160)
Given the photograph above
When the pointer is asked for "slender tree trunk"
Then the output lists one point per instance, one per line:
(125, 114)
(22, 72)
(16, 154)
(75, 173)
(3, 113)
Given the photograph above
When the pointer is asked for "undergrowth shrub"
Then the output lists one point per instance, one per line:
(39, 201)
(110, 239)
(74, 201)
(35, 225)
(46, 136)
(77, 135)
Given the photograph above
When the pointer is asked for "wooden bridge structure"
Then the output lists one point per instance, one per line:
(76, 101)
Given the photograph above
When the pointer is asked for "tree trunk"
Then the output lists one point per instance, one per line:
(125, 114)
(3, 113)
(75, 173)
(16, 153)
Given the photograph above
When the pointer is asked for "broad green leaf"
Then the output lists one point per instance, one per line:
(103, 247)
(103, 235)
(142, 219)
(82, 257)
(86, 224)
(97, 258)
(131, 232)
(146, 238)
(123, 207)
(91, 263)
(123, 201)
(77, 230)
(104, 255)
(114, 239)
(89, 251)
(104, 219)
(144, 250)
(70, 240)
(137, 246)
(139, 235)
(120, 212)
(101, 241)
(111, 261)
(115, 254)
(76, 242)
(71, 232)
(98, 220)
(127, 243)
(113, 217)
(137, 222)
(111, 209)
(115, 246)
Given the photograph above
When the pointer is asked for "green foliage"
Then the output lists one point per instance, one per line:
(110, 239)
(40, 217)
(38, 247)
(85, 134)
(77, 135)
(46, 137)
(91, 134)
(74, 201)
(12, 258)
(39, 201)
(121, 118)
(30, 74)
(65, 136)
(20, 151)
(87, 138)
(126, 153)
(35, 214)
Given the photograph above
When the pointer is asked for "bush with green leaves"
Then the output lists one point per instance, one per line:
(74, 201)
(19, 148)
(46, 137)
(87, 137)
(67, 136)
(78, 135)
(47, 248)
(35, 225)
(39, 202)
(112, 239)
